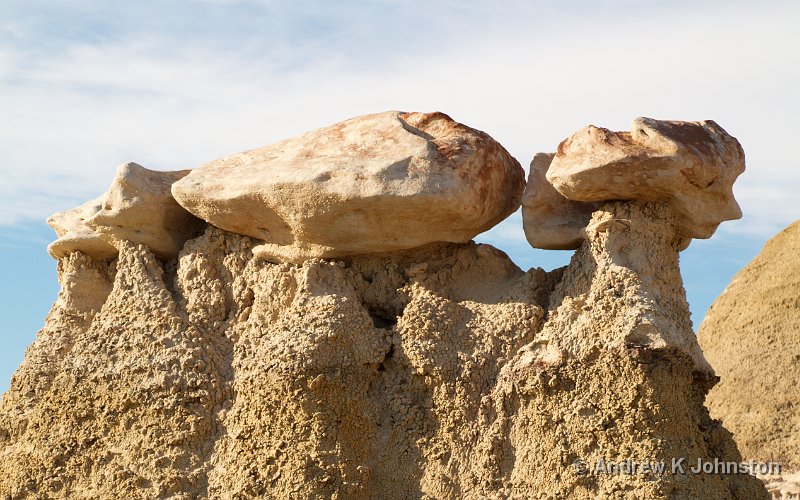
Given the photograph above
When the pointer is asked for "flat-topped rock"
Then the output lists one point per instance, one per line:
(74, 235)
(552, 221)
(374, 183)
(690, 164)
(138, 207)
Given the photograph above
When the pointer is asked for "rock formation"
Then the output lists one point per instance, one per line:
(138, 207)
(74, 235)
(786, 487)
(751, 335)
(552, 221)
(377, 183)
(436, 371)
(689, 165)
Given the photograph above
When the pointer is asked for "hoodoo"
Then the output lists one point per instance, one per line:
(331, 332)
(691, 166)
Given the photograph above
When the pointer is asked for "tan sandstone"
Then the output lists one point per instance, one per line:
(751, 336)
(74, 235)
(139, 207)
(442, 371)
(406, 367)
(689, 165)
(550, 220)
(375, 183)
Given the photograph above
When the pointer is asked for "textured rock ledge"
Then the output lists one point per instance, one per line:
(415, 364)
(137, 207)
(441, 372)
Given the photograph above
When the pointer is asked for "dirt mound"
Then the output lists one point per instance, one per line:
(751, 336)
(439, 372)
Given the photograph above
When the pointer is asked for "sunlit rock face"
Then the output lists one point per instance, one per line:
(254, 366)
(375, 183)
(689, 165)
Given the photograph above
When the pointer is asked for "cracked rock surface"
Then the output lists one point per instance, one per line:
(690, 166)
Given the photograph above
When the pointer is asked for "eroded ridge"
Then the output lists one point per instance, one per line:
(431, 368)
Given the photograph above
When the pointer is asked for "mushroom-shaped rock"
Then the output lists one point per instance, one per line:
(374, 183)
(138, 207)
(690, 165)
(74, 235)
(551, 221)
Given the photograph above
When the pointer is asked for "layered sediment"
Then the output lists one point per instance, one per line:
(751, 336)
(435, 368)
(444, 371)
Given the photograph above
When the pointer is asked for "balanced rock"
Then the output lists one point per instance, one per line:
(552, 221)
(138, 207)
(443, 371)
(690, 164)
(74, 235)
(374, 183)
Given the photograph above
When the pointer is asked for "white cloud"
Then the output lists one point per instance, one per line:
(530, 77)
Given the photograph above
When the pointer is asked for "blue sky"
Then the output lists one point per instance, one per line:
(85, 86)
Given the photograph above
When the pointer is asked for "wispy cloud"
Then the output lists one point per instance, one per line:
(86, 87)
